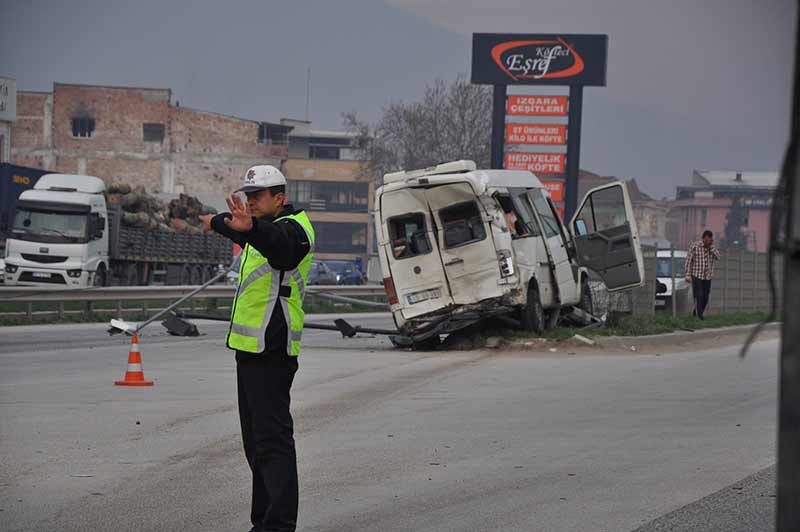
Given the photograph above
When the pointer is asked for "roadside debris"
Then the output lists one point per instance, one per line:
(583, 339)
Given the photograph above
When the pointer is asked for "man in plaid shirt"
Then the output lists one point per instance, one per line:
(700, 270)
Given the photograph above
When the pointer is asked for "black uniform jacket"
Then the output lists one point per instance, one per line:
(284, 244)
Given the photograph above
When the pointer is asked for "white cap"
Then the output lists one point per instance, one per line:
(261, 177)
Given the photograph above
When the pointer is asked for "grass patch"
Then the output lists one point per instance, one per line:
(661, 323)
(625, 325)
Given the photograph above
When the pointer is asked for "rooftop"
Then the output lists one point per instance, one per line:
(734, 178)
(120, 87)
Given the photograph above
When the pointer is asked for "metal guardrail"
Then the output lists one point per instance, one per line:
(27, 294)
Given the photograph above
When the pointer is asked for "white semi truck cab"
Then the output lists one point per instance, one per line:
(59, 234)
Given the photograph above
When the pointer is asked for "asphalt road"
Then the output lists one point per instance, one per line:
(387, 440)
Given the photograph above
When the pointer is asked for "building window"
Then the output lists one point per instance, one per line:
(324, 152)
(329, 195)
(153, 132)
(332, 237)
(703, 217)
(272, 134)
(83, 127)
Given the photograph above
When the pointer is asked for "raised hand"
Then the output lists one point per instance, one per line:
(242, 220)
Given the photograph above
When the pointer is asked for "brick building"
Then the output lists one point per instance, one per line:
(8, 115)
(140, 136)
(707, 201)
(143, 137)
(327, 179)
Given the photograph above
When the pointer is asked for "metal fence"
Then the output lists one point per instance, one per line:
(741, 282)
(27, 301)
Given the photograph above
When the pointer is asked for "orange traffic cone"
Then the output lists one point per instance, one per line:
(134, 376)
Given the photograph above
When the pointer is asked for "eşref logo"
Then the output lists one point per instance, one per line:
(550, 59)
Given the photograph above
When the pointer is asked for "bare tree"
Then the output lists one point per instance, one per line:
(452, 121)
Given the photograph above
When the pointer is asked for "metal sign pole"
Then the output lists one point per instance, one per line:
(573, 150)
(498, 126)
(674, 298)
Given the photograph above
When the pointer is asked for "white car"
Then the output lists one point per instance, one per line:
(664, 276)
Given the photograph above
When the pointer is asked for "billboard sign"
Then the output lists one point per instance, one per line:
(538, 163)
(556, 190)
(532, 134)
(8, 100)
(539, 59)
(536, 105)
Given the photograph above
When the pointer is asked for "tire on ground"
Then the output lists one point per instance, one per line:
(532, 316)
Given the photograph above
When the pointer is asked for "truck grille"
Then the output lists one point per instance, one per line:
(55, 278)
(44, 259)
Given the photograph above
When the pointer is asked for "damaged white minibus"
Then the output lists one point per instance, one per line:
(458, 245)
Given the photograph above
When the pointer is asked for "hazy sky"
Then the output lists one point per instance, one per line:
(691, 83)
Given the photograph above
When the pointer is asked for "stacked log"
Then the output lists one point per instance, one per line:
(140, 209)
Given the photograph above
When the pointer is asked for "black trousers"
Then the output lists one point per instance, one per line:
(701, 288)
(264, 382)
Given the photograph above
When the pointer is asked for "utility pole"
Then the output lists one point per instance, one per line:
(788, 499)
(308, 92)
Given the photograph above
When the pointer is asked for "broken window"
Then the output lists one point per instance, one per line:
(153, 132)
(548, 219)
(409, 236)
(82, 127)
(462, 224)
(519, 214)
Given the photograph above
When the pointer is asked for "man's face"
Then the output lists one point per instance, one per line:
(263, 204)
(708, 241)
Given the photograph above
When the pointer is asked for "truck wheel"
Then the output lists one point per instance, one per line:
(532, 313)
(186, 275)
(100, 276)
(429, 344)
(131, 275)
(586, 304)
(197, 275)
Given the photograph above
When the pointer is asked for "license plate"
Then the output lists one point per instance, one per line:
(42, 275)
(423, 296)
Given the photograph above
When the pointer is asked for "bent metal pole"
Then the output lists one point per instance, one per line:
(197, 290)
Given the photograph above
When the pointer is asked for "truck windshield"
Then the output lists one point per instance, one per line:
(53, 227)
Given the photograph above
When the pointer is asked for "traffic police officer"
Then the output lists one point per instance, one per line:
(266, 326)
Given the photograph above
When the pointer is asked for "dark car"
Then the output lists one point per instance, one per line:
(320, 273)
(346, 272)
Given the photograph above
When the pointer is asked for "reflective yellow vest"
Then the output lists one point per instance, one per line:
(261, 288)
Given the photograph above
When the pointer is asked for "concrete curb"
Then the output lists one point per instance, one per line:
(673, 338)
(644, 342)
